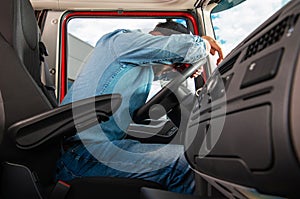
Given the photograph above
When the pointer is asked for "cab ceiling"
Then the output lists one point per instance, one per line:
(113, 4)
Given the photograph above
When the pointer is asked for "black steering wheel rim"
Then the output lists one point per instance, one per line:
(143, 112)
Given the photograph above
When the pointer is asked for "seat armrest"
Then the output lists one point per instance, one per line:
(64, 121)
(153, 131)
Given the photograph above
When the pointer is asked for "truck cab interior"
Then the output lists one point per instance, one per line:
(237, 122)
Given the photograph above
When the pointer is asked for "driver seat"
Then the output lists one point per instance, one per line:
(33, 128)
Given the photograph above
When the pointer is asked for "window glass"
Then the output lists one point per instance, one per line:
(233, 25)
(83, 34)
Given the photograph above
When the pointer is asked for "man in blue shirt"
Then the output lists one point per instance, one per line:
(124, 62)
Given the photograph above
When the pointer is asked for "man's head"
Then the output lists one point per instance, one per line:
(168, 28)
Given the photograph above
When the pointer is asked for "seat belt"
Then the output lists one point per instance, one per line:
(45, 74)
(60, 190)
(48, 85)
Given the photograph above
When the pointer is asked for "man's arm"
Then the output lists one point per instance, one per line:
(143, 49)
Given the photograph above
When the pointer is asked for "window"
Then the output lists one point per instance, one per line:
(82, 30)
(83, 34)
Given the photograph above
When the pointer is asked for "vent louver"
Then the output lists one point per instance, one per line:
(269, 38)
(229, 64)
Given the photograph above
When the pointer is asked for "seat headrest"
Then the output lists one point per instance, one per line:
(29, 24)
(18, 17)
(19, 28)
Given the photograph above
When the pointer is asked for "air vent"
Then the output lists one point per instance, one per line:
(229, 64)
(269, 38)
(293, 21)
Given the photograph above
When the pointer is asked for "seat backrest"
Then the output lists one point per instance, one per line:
(2, 117)
(19, 83)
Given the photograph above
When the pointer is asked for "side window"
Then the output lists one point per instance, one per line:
(82, 32)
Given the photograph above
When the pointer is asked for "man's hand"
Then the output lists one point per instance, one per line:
(197, 72)
(214, 47)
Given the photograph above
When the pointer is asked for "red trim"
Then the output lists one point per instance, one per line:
(63, 58)
(204, 75)
(63, 81)
(64, 184)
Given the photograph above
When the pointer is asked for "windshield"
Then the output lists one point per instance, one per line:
(233, 25)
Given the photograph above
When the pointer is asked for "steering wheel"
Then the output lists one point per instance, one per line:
(155, 103)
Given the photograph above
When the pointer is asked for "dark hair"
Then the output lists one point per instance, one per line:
(171, 27)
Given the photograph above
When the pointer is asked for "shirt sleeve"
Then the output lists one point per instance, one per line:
(143, 49)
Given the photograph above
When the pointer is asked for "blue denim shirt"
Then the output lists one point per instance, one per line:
(122, 63)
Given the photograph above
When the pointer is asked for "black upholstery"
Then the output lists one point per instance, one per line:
(20, 30)
(110, 188)
(23, 98)
(149, 193)
(2, 117)
(19, 33)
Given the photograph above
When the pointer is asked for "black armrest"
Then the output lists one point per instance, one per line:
(153, 131)
(64, 121)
